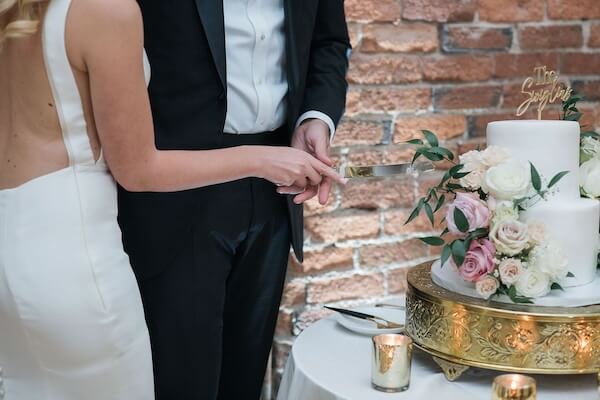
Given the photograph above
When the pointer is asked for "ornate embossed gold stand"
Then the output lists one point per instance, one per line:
(462, 332)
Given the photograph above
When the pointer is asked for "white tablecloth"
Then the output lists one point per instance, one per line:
(328, 362)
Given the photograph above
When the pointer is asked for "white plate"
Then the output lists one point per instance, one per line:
(365, 327)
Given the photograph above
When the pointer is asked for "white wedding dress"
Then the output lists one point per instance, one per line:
(71, 319)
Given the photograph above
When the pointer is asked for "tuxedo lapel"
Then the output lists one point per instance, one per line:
(211, 14)
(291, 55)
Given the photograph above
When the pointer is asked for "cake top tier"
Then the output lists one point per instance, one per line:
(552, 146)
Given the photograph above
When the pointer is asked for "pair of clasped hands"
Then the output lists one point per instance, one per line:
(307, 173)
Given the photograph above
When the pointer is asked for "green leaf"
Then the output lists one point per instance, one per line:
(431, 156)
(431, 138)
(433, 240)
(591, 134)
(557, 178)
(573, 117)
(442, 152)
(454, 186)
(512, 293)
(415, 213)
(458, 252)
(479, 233)
(556, 286)
(440, 203)
(429, 213)
(446, 253)
(572, 275)
(536, 180)
(455, 169)
(460, 175)
(462, 223)
(445, 231)
(414, 141)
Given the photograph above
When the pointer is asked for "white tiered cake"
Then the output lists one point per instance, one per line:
(572, 221)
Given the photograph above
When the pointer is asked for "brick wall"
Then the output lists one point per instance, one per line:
(450, 66)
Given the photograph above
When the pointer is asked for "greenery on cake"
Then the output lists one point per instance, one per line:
(485, 239)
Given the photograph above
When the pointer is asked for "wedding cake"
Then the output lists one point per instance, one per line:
(570, 222)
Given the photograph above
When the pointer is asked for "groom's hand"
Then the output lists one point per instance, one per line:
(312, 136)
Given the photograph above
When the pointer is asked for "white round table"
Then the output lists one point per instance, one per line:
(328, 362)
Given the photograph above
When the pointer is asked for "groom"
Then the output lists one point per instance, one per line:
(211, 262)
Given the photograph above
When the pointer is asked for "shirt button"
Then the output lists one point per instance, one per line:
(263, 37)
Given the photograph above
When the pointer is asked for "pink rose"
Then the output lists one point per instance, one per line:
(487, 286)
(479, 260)
(474, 209)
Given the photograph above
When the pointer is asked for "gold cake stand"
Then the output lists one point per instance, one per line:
(462, 332)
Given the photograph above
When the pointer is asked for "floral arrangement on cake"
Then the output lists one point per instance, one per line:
(589, 172)
(485, 238)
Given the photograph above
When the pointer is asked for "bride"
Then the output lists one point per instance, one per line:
(75, 117)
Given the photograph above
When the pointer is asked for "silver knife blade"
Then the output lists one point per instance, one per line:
(373, 171)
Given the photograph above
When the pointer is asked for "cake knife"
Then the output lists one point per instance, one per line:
(380, 322)
(373, 171)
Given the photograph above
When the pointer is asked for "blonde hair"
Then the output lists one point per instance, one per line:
(21, 18)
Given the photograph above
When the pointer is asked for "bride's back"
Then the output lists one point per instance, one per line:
(31, 142)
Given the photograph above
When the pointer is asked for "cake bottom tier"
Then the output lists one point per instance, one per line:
(573, 225)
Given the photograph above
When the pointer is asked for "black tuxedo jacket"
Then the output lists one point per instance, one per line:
(185, 42)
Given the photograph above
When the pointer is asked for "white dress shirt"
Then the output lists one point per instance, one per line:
(256, 68)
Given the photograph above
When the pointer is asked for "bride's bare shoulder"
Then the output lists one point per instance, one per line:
(112, 11)
(97, 27)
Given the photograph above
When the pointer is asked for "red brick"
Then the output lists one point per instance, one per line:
(445, 126)
(378, 69)
(589, 89)
(439, 10)
(455, 98)
(551, 37)
(479, 124)
(573, 9)
(580, 63)
(595, 36)
(522, 65)
(352, 103)
(390, 99)
(378, 194)
(284, 324)
(405, 38)
(512, 96)
(389, 155)
(458, 68)
(474, 38)
(294, 294)
(346, 288)
(351, 133)
(511, 10)
(327, 259)
(588, 119)
(397, 280)
(394, 253)
(331, 228)
(372, 10)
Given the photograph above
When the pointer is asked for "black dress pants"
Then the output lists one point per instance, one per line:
(212, 312)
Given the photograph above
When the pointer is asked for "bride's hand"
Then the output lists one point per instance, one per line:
(293, 170)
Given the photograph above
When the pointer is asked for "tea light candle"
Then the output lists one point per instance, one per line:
(391, 362)
(514, 387)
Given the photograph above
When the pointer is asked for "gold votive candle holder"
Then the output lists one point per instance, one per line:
(391, 362)
(514, 387)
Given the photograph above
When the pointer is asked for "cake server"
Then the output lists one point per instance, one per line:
(380, 322)
(373, 171)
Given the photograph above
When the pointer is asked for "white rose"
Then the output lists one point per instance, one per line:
(473, 160)
(590, 148)
(487, 286)
(510, 237)
(474, 180)
(533, 283)
(494, 155)
(550, 260)
(537, 232)
(510, 271)
(589, 178)
(504, 210)
(508, 180)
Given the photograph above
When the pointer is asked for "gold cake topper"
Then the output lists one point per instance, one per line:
(543, 88)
